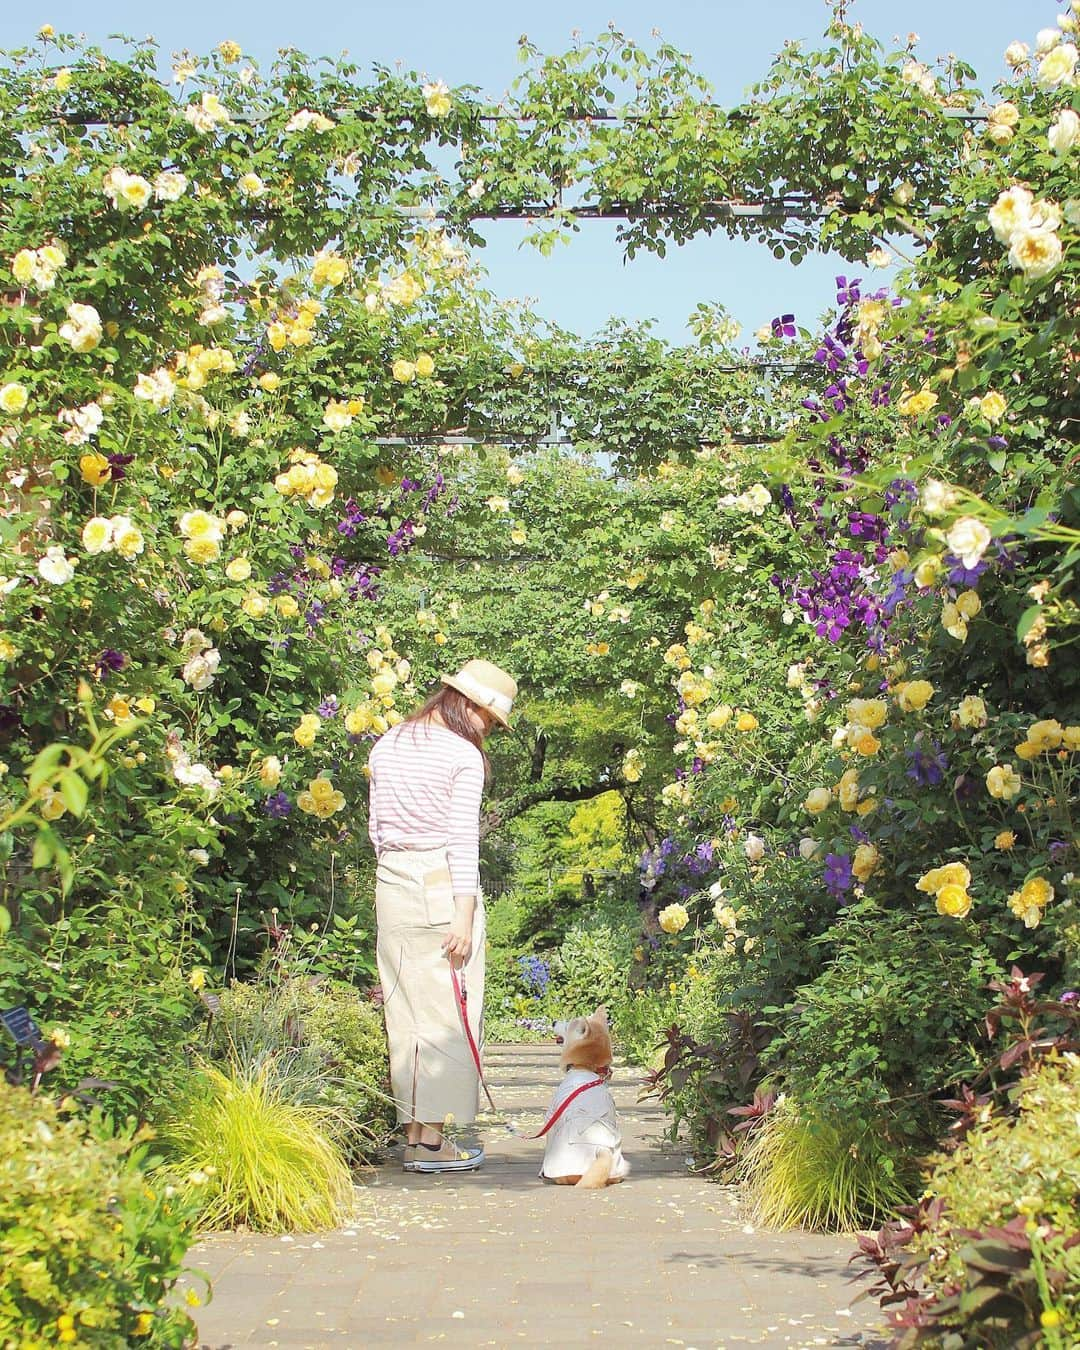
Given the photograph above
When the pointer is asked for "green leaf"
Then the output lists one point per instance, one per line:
(44, 766)
(74, 793)
(44, 847)
(1027, 621)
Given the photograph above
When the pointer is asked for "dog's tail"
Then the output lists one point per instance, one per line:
(598, 1173)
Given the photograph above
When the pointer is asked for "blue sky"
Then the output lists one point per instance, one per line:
(731, 42)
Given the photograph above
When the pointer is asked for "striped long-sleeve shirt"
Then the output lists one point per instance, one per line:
(425, 791)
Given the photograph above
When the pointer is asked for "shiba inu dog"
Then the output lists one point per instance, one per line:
(583, 1145)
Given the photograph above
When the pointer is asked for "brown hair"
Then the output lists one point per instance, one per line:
(453, 708)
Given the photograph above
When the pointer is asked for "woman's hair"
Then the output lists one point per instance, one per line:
(453, 708)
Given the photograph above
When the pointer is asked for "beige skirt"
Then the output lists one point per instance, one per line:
(432, 1073)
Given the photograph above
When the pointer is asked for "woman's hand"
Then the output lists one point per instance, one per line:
(457, 945)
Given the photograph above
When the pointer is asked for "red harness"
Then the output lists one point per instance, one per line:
(460, 996)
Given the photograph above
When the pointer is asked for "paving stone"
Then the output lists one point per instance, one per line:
(666, 1258)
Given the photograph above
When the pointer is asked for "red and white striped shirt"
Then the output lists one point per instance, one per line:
(425, 791)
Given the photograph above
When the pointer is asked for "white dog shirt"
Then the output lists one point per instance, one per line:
(588, 1124)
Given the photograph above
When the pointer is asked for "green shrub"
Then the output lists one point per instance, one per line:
(253, 1155)
(88, 1244)
(893, 1017)
(833, 1174)
(990, 1260)
(110, 977)
(1027, 1165)
(324, 1043)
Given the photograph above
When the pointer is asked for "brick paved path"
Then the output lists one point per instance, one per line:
(499, 1258)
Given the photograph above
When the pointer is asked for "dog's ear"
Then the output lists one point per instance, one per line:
(601, 1014)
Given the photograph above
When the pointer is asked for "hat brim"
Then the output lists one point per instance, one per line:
(499, 717)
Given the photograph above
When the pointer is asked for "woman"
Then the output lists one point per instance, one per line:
(427, 778)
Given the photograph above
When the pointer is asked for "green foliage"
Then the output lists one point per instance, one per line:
(88, 1242)
(244, 1145)
(895, 1015)
(828, 1173)
(108, 982)
(323, 1040)
(1027, 1164)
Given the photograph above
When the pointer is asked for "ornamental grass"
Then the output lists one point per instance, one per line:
(258, 1159)
(833, 1176)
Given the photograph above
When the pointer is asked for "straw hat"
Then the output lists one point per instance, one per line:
(487, 686)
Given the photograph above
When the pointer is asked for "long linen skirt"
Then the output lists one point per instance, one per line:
(432, 1072)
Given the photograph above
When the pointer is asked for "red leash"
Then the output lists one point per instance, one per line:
(460, 995)
(596, 1082)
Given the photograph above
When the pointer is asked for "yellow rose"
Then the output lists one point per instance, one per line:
(52, 804)
(238, 569)
(1003, 782)
(94, 468)
(867, 712)
(358, 720)
(425, 366)
(953, 902)
(145, 704)
(719, 717)
(847, 790)
(1037, 891)
(437, 99)
(863, 741)
(993, 406)
(915, 404)
(865, 807)
(202, 549)
(1057, 66)
(953, 622)
(127, 538)
(914, 695)
(287, 606)
(306, 732)
(971, 712)
(97, 535)
(270, 771)
(865, 861)
(1004, 841)
(1046, 735)
(403, 371)
(931, 882)
(118, 709)
(201, 525)
(632, 766)
(254, 605)
(384, 683)
(927, 572)
(13, 398)
(673, 918)
(968, 604)
(746, 722)
(1030, 913)
(817, 800)
(270, 382)
(23, 265)
(329, 269)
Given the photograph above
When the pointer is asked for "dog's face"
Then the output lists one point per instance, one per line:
(585, 1042)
